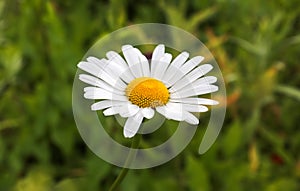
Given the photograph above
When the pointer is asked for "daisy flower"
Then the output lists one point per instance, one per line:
(134, 88)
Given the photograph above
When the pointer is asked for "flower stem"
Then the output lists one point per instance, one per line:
(135, 143)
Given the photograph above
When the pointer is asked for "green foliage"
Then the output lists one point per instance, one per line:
(256, 43)
(199, 182)
(289, 91)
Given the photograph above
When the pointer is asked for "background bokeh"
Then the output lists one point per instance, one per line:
(256, 44)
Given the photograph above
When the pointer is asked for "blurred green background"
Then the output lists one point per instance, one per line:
(257, 46)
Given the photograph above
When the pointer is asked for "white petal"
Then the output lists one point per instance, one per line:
(144, 65)
(101, 63)
(114, 56)
(183, 82)
(158, 53)
(102, 74)
(200, 82)
(128, 110)
(192, 63)
(110, 111)
(200, 71)
(128, 52)
(115, 82)
(132, 125)
(90, 68)
(143, 62)
(110, 67)
(199, 90)
(132, 58)
(191, 119)
(107, 66)
(180, 59)
(170, 111)
(107, 103)
(187, 67)
(106, 87)
(176, 63)
(112, 92)
(109, 70)
(194, 108)
(183, 115)
(171, 71)
(95, 82)
(115, 69)
(205, 80)
(148, 112)
(194, 100)
(127, 76)
(191, 77)
(137, 68)
(162, 66)
(98, 93)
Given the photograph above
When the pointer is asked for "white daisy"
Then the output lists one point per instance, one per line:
(135, 89)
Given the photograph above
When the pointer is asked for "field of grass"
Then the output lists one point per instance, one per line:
(256, 44)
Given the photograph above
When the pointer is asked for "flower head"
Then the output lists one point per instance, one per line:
(135, 89)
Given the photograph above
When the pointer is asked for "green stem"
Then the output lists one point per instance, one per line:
(135, 143)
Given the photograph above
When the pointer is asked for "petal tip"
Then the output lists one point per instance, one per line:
(126, 47)
(199, 58)
(161, 46)
(185, 54)
(79, 65)
(215, 102)
(94, 108)
(128, 134)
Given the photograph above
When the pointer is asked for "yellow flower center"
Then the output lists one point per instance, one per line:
(147, 92)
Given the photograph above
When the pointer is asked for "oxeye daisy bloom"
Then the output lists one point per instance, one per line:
(135, 89)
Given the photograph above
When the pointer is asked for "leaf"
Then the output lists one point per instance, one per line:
(10, 64)
(282, 184)
(199, 17)
(233, 140)
(256, 49)
(197, 176)
(36, 180)
(289, 91)
(253, 157)
(130, 182)
(66, 185)
(293, 40)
